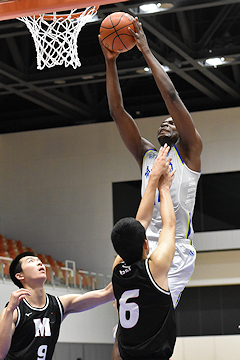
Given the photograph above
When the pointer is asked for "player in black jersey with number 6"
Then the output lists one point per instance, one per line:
(30, 323)
(147, 327)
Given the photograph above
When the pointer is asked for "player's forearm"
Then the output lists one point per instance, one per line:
(126, 125)
(174, 104)
(99, 297)
(5, 333)
(160, 167)
(114, 93)
(166, 207)
(77, 303)
(162, 79)
(108, 292)
(144, 214)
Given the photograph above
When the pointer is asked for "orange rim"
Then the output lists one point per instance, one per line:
(51, 17)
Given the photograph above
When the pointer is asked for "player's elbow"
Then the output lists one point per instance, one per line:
(171, 95)
(113, 112)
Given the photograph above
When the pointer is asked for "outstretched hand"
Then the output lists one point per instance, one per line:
(161, 165)
(162, 169)
(108, 54)
(139, 35)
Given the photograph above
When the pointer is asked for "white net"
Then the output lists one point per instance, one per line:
(55, 39)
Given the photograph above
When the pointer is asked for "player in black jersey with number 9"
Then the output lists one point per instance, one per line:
(30, 323)
(147, 327)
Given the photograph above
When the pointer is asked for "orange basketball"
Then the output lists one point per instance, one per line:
(114, 32)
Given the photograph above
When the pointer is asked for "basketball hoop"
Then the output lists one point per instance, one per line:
(55, 36)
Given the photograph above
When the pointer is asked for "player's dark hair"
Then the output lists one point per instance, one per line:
(127, 237)
(16, 267)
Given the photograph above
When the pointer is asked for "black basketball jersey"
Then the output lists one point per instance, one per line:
(147, 326)
(36, 331)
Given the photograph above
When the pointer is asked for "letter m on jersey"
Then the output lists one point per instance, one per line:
(42, 328)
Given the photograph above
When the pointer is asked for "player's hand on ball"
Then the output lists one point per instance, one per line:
(108, 54)
(139, 35)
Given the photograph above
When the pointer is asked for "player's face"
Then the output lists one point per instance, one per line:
(167, 133)
(32, 268)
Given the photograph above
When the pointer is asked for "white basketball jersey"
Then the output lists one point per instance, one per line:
(183, 194)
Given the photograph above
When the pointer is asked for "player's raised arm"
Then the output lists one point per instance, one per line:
(76, 303)
(190, 141)
(160, 167)
(161, 259)
(126, 125)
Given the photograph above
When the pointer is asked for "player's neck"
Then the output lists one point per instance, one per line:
(38, 296)
(169, 141)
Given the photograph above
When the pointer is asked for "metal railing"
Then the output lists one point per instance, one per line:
(70, 278)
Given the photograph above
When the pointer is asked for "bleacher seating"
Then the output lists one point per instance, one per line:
(55, 270)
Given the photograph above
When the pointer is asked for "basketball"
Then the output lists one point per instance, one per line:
(114, 32)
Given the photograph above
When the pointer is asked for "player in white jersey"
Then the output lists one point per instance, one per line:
(183, 193)
(179, 132)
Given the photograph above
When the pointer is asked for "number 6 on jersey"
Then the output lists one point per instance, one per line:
(128, 312)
